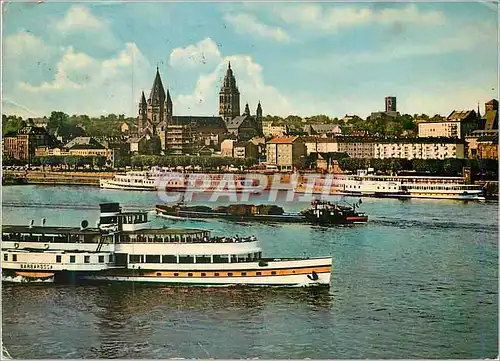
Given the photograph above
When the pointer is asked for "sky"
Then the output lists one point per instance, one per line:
(300, 58)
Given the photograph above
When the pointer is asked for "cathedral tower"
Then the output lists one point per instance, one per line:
(247, 110)
(156, 101)
(143, 112)
(229, 97)
(258, 119)
(157, 111)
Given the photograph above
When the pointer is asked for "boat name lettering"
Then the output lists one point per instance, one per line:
(36, 266)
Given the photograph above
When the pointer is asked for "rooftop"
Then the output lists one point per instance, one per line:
(283, 140)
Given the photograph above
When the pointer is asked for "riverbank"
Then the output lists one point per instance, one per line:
(54, 178)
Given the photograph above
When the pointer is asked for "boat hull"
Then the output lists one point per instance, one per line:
(281, 273)
(284, 218)
(107, 184)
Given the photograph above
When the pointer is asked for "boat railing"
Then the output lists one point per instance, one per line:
(143, 239)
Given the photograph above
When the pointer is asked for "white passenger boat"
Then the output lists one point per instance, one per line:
(366, 184)
(133, 180)
(161, 179)
(123, 249)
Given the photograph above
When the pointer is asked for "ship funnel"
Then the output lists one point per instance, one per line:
(32, 222)
(43, 221)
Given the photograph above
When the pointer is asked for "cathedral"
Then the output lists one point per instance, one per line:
(183, 134)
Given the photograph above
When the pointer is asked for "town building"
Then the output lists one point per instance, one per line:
(179, 139)
(286, 152)
(390, 110)
(414, 148)
(274, 130)
(457, 125)
(22, 145)
(356, 147)
(490, 118)
(315, 144)
(80, 147)
(390, 104)
(244, 150)
(323, 129)
(226, 147)
(245, 126)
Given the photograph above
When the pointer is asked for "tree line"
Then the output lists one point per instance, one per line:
(110, 125)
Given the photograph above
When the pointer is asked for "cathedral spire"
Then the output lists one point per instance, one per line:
(169, 105)
(157, 95)
(247, 110)
(229, 65)
(478, 113)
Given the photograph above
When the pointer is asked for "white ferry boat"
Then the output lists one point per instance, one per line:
(158, 178)
(364, 183)
(124, 249)
(133, 180)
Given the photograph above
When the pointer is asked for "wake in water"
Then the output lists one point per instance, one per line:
(23, 279)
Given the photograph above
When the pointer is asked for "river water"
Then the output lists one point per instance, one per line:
(420, 280)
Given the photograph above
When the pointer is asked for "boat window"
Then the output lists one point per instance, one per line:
(243, 273)
(216, 274)
(186, 259)
(72, 259)
(176, 274)
(86, 259)
(58, 258)
(273, 272)
(5, 257)
(101, 259)
(136, 258)
(234, 259)
(203, 259)
(258, 273)
(110, 258)
(229, 273)
(203, 274)
(14, 257)
(167, 258)
(221, 259)
(152, 258)
(190, 274)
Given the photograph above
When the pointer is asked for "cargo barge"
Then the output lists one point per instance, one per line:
(320, 212)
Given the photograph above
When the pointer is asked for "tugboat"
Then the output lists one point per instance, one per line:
(124, 249)
(326, 213)
(320, 212)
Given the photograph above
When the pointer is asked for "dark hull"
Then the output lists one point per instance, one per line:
(285, 218)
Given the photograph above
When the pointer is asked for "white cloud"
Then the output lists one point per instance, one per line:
(317, 16)
(203, 53)
(86, 85)
(79, 17)
(248, 24)
(250, 81)
(23, 44)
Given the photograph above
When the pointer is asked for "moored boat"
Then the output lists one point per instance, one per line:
(124, 249)
(367, 184)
